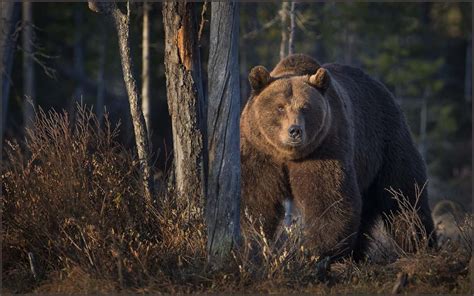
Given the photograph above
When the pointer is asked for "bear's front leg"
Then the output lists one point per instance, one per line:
(325, 191)
(264, 187)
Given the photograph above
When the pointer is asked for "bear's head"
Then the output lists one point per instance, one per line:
(291, 114)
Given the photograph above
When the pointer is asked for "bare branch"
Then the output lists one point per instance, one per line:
(203, 21)
(291, 39)
(267, 25)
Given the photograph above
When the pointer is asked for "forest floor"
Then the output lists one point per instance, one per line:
(442, 272)
(74, 221)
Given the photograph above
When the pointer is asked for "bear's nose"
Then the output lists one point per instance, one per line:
(295, 132)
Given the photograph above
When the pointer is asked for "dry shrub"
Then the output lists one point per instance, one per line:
(466, 232)
(72, 199)
(287, 266)
(407, 233)
(283, 261)
(75, 280)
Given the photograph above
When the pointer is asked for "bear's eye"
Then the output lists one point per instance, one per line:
(281, 108)
(305, 109)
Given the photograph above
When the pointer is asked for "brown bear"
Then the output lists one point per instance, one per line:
(330, 139)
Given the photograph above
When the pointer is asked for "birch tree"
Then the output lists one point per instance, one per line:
(146, 66)
(284, 30)
(291, 39)
(28, 64)
(10, 14)
(122, 24)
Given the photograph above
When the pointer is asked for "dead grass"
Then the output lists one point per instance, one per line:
(75, 221)
(408, 232)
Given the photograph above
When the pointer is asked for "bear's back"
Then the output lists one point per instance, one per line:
(377, 119)
(371, 101)
(295, 65)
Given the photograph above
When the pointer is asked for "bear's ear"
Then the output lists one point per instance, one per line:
(320, 79)
(259, 78)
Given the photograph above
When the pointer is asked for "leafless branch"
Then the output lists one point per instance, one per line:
(267, 25)
(203, 21)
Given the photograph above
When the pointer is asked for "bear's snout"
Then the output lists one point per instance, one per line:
(295, 132)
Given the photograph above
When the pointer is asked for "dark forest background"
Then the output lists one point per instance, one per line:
(421, 51)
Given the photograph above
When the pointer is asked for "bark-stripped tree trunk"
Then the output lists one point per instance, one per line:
(185, 98)
(291, 39)
(223, 185)
(146, 100)
(284, 29)
(122, 24)
(28, 65)
(10, 15)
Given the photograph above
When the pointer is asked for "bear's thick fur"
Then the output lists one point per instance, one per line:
(331, 139)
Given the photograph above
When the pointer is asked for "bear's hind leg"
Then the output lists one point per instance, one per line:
(404, 209)
(367, 223)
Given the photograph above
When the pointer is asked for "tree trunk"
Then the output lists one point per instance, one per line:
(28, 65)
(284, 30)
(185, 98)
(223, 186)
(10, 15)
(423, 122)
(122, 24)
(468, 72)
(100, 101)
(78, 57)
(349, 44)
(146, 101)
(291, 39)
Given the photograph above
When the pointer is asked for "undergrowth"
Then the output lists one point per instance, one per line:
(75, 221)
